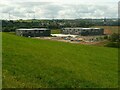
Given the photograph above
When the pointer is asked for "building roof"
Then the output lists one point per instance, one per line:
(33, 29)
(63, 35)
(81, 28)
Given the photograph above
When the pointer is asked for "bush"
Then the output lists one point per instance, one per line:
(114, 37)
(113, 44)
(105, 37)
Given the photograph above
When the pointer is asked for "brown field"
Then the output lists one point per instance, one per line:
(109, 29)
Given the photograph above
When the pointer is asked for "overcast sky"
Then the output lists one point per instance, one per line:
(60, 9)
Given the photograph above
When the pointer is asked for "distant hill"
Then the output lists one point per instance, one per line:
(12, 25)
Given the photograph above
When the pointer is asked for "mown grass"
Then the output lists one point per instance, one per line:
(36, 63)
(55, 31)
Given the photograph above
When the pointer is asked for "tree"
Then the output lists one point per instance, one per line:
(115, 37)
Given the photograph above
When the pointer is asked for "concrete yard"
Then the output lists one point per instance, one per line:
(87, 40)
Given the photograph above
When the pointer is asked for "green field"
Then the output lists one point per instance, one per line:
(42, 63)
(55, 31)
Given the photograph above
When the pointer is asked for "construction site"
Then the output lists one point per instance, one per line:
(75, 38)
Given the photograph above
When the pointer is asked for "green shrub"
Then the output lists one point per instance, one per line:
(114, 37)
(113, 44)
(105, 37)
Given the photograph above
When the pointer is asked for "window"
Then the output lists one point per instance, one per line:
(40, 31)
(29, 32)
(36, 31)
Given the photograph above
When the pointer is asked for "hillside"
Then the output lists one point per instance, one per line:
(42, 63)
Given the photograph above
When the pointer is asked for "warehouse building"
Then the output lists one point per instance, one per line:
(34, 32)
(83, 31)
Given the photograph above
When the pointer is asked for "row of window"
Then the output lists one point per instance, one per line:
(32, 31)
(82, 31)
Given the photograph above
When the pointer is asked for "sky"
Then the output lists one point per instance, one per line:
(58, 9)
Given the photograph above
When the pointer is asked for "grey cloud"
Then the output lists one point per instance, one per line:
(49, 10)
(29, 10)
(7, 9)
(32, 4)
(19, 15)
(52, 10)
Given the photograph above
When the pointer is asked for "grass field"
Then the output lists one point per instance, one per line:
(55, 31)
(41, 63)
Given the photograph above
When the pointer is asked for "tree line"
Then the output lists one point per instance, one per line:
(12, 25)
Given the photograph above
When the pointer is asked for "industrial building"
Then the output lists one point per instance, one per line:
(34, 32)
(83, 31)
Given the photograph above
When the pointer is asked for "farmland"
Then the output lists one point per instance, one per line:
(42, 63)
(109, 29)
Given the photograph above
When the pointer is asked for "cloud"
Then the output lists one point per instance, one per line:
(58, 10)
(87, 11)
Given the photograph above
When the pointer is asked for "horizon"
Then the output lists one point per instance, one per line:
(61, 19)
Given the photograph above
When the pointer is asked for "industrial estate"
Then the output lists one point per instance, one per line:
(59, 53)
(35, 32)
(83, 31)
(71, 34)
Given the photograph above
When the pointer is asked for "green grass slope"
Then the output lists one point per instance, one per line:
(36, 63)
